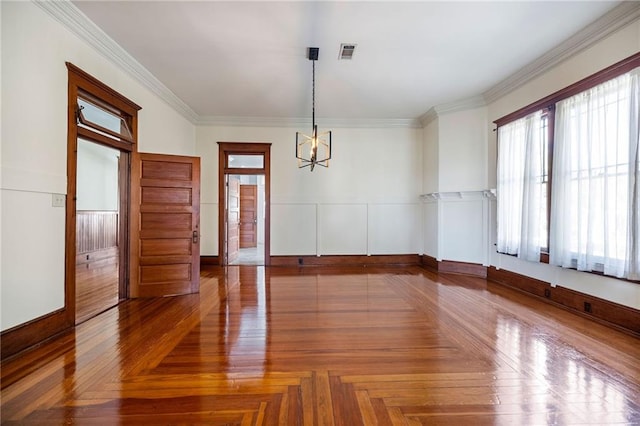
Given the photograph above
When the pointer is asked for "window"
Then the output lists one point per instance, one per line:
(569, 175)
(245, 161)
(94, 117)
(596, 173)
(522, 186)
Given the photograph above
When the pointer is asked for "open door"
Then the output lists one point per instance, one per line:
(165, 245)
(248, 216)
(233, 219)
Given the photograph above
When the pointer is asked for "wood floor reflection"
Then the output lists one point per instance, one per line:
(347, 346)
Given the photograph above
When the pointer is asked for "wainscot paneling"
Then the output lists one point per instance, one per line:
(342, 229)
(209, 229)
(360, 260)
(457, 224)
(392, 228)
(96, 230)
(293, 229)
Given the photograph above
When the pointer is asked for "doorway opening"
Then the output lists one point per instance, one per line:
(102, 133)
(244, 188)
(98, 242)
(246, 193)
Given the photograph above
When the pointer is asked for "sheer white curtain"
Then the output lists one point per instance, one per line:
(520, 206)
(595, 223)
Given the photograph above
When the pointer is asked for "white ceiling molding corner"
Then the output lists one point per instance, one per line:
(302, 123)
(462, 105)
(615, 19)
(77, 22)
(428, 117)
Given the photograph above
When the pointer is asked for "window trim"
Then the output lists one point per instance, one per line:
(587, 83)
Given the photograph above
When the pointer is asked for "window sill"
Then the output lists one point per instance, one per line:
(544, 258)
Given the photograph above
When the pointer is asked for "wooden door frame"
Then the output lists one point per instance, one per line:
(243, 148)
(81, 81)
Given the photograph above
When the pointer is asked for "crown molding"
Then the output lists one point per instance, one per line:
(606, 25)
(79, 24)
(462, 105)
(298, 122)
(428, 117)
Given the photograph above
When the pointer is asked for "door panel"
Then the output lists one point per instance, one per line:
(233, 219)
(248, 216)
(164, 221)
(166, 195)
(166, 244)
(165, 247)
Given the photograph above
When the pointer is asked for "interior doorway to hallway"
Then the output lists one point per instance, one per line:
(244, 190)
(246, 212)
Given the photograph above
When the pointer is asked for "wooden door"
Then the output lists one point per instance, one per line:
(233, 219)
(165, 244)
(248, 216)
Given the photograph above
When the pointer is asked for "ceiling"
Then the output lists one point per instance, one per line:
(248, 59)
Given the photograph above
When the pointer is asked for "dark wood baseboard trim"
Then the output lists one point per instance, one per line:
(465, 268)
(429, 262)
(334, 260)
(32, 333)
(94, 257)
(453, 267)
(603, 311)
(209, 260)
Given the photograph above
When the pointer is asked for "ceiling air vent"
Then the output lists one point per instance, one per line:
(346, 50)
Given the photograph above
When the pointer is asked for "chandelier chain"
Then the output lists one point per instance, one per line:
(313, 96)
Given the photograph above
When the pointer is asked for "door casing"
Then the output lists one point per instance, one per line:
(80, 81)
(243, 148)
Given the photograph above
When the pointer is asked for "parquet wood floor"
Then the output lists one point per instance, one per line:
(343, 346)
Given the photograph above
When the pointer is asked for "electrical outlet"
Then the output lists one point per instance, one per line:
(57, 200)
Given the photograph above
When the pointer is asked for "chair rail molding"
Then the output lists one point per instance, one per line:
(459, 195)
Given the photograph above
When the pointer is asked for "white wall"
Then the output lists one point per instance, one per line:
(463, 150)
(614, 48)
(431, 162)
(366, 202)
(34, 50)
(455, 209)
(431, 157)
(97, 180)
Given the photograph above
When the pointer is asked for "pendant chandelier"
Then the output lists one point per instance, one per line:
(315, 149)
